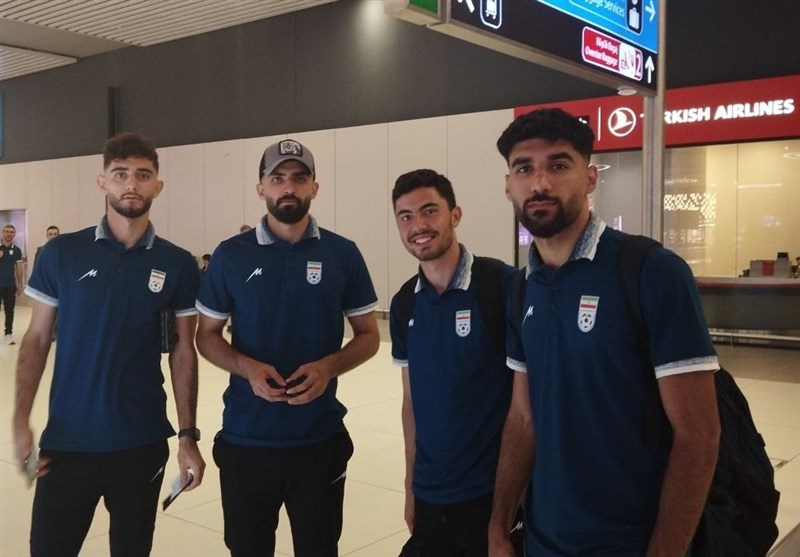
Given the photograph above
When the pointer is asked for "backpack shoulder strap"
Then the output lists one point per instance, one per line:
(491, 301)
(632, 254)
(404, 305)
(517, 298)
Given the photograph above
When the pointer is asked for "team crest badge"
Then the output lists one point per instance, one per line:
(463, 323)
(313, 272)
(587, 311)
(157, 278)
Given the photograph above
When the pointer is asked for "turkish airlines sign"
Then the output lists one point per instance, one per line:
(709, 114)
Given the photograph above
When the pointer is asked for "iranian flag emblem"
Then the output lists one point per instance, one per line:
(587, 310)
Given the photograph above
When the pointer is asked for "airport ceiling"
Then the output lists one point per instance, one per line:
(37, 35)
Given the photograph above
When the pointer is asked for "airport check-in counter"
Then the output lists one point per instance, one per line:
(763, 309)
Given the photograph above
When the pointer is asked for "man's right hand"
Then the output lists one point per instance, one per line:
(23, 449)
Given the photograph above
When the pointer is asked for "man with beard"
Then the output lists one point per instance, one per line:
(286, 286)
(576, 427)
(107, 430)
(456, 385)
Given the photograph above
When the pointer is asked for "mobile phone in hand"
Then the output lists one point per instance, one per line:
(30, 464)
(177, 489)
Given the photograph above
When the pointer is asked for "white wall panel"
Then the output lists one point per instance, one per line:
(159, 211)
(413, 144)
(184, 183)
(91, 201)
(361, 198)
(13, 185)
(477, 172)
(224, 191)
(40, 205)
(67, 197)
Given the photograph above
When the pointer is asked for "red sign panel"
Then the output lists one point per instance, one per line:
(708, 114)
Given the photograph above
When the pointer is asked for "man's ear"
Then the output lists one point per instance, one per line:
(592, 176)
(455, 216)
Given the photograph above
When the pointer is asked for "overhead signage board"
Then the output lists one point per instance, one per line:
(611, 42)
(756, 110)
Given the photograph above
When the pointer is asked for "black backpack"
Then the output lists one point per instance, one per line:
(488, 272)
(739, 516)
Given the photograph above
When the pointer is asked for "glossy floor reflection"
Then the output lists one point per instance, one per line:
(373, 515)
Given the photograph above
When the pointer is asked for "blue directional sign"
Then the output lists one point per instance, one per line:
(613, 42)
(635, 21)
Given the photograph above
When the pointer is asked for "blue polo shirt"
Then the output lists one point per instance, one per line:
(286, 303)
(596, 483)
(460, 388)
(107, 391)
(9, 257)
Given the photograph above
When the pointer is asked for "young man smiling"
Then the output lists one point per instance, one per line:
(456, 386)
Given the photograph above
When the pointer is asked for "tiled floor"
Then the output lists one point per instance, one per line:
(373, 515)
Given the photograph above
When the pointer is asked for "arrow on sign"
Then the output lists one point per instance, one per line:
(471, 6)
(649, 66)
(651, 9)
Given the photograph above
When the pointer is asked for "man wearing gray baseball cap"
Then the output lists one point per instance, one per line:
(285, 285)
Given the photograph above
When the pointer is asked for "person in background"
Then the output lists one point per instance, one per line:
(286, 286)
(51, 232)
(11, 280)
(456, 385)
(206, 259)
(107, 427)
(576, 427)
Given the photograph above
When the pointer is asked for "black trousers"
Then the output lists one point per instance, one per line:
(129, 483)
(256, 481)
(456, 530)
(8, 297)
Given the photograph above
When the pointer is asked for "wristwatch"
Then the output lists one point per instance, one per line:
(191, 432)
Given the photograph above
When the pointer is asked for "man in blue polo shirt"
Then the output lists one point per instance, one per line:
(10, 278)
(456, 385)
(597, 486)
(107, 429)
(287, 286)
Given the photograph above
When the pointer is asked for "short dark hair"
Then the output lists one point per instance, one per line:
(423, 178)
(52, 227)
(206, 257)
(551, 124)
(125, 145)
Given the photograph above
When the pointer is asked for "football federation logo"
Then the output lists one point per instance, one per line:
(157, 278)
(587, 310)
(313, 272)
(463, 323)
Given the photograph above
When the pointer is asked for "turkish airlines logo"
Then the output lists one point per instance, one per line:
(622, 121)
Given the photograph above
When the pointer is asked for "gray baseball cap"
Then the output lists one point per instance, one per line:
(285, 150)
